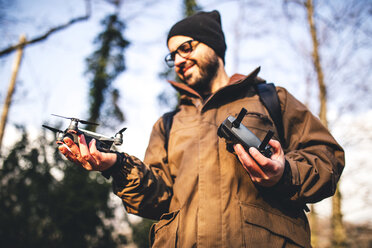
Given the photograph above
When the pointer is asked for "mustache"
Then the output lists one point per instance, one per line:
(187, 64)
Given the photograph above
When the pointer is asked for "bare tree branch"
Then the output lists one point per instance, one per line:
(49, 32)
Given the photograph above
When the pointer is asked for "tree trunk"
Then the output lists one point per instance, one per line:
(317, 65)
(313, 219)
(338, 238)
(13, 79)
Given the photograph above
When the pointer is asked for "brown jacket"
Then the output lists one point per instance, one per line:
(201, 194)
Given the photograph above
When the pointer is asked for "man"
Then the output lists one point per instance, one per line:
(202, 194)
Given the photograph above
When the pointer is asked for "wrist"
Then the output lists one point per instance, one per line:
(111, 159)
(116, 163)
(286, 177)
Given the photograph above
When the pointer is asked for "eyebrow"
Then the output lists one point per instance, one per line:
(181, 45)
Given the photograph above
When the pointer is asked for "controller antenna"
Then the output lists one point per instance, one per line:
(118, 140)
(239, 119)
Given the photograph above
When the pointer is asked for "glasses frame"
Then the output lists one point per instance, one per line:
(169, 59)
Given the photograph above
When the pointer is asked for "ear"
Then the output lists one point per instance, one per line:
(221, 63)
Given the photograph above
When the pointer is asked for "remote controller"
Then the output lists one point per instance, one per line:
(234, 132)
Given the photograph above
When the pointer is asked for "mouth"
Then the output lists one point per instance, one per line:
(186, 69)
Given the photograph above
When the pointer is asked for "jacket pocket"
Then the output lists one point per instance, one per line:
(164, 233)
(259, 124)
(280, 226)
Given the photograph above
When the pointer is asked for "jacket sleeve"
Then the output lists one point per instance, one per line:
(145, 187)
(314, 160)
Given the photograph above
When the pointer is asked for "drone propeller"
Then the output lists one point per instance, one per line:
(76, 119)
(52, 129)
(122, 130)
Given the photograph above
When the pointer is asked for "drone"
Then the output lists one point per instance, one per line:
(103, 143)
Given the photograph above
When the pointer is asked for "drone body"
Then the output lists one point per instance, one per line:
(103, 143)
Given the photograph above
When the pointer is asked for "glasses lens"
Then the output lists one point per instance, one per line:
(185, 49)
(169, 59)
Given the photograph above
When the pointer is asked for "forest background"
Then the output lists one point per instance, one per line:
(45, 200)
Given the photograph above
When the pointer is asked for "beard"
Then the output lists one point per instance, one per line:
(208, 67)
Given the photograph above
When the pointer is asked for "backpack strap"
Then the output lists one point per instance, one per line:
(167, 122)
(269, 97)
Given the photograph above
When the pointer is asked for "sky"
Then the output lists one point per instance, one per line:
(52, 80)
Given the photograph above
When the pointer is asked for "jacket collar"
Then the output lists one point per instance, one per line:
(235, 80)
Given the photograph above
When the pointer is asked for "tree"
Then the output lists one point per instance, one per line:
(339, 38)
(104, 65)
(23, 43)
(323, 118)
(326, 69)
(39, 210)
(141, 231)
(190, 7)
(11, 87)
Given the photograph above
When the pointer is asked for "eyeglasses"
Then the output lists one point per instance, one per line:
(184, 50)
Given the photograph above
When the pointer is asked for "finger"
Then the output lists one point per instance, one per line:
(258, 157)
(248, 163)
(276, 146)
(63, 149)
(84, 150)
(97, 155)
(73, 147)
(75, 150)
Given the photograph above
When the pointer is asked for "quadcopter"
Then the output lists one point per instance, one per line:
(103, 143)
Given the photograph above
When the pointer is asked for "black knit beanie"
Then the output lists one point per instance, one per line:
(204, 27)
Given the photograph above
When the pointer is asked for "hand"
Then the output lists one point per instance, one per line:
(269, 171)
(87, 157)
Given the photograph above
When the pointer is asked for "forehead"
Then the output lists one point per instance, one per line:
(176, 41)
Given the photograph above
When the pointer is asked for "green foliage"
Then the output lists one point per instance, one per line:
(141, 232)
(190, 7)
(37, 210)
(103, 66)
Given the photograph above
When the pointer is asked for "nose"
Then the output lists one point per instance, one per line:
(178, 60)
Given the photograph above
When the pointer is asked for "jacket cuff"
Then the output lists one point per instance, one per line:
(119, 170)
(284, 189)
(285, 186)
